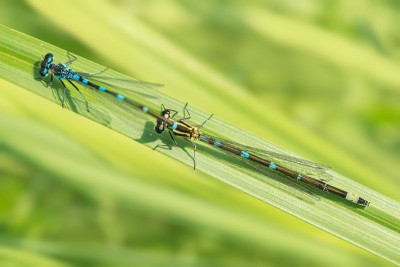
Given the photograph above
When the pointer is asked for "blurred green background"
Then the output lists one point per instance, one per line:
(327, 70)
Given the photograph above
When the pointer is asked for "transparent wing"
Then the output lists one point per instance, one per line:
(301, 191)
(123, 85)
(101, 106)
(303, 166)
(111, 103)
(137, 83)
(275, 155)
(96, 113)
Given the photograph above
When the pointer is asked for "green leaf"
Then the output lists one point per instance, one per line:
(21, 258)
(145, 51)
(375, 228)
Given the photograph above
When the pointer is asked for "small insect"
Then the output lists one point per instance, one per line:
(166, 121)
(63, 72)
(258, 157)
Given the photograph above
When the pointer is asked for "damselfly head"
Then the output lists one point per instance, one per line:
(166, 113)
(160, 126)
(45, 65)
(161, 123)
(49, 57)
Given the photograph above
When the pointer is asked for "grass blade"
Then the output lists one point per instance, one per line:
(375, 228)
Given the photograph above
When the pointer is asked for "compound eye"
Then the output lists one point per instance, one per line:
(43, 73)
(166, 113)
(159, 128)
(49, 57)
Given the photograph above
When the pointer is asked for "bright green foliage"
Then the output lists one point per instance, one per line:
(76, 191)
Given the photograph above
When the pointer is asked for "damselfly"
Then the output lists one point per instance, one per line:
(258, 157)
(63, 72)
